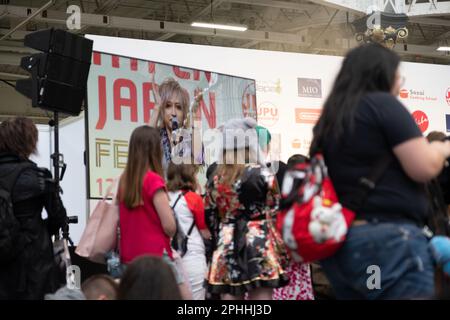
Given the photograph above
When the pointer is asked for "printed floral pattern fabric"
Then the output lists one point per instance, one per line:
(300, 284)
(249, 251)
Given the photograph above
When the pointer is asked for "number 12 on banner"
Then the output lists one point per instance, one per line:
(104, 184)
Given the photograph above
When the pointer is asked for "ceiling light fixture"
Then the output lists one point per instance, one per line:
(443, 49)
(219, 26)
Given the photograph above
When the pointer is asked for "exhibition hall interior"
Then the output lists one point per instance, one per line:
(225, 150)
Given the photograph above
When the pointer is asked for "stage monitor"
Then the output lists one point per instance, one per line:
(120, 99)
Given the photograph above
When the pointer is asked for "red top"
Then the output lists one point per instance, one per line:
(141, 231)
(195, 205)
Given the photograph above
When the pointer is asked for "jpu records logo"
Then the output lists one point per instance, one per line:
(268, 114)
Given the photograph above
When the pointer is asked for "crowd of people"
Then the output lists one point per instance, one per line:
(234, 250)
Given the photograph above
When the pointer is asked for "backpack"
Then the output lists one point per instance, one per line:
(312, 221)
(179, 241)
(9, 225)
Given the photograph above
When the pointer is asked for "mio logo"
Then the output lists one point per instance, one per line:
(309, 88)
(374, 280)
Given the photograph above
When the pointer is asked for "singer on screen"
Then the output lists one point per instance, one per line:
(173, 119)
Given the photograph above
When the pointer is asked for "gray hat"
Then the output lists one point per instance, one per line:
(65, 293)
(240, 134)
(243, 130)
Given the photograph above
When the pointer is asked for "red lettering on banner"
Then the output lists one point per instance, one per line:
(115, 61)
(151, 67)
(186, 75)
(120, 102)
(97, 58)
(211, 114)
(101, 103)
(181, 74)
(147, 103)
(133, 64)
(197, 75)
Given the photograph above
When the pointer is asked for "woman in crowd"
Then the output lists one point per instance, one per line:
(146, 220)
(240, 204)
(190, 213)
(362, 122)
(27, 267)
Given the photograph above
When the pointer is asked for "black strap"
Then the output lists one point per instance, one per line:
(179, 197)
(173, 207)
(369, 183)
(192, 227)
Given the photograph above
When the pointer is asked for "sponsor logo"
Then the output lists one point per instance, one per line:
(309, 88)
(296, 143)
(308, 116)
(421, 119)
(267, 114)
(269, 86)
(447, 96)
(413, 94)
(447, 122)
(304, 143)
(404, 94)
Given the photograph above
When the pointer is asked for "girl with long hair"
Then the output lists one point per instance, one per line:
(241, 202)
(146, 220)
(363, 122)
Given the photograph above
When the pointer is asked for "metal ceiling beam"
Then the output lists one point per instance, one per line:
(444, 36)
(433, 7)
(317, 20)
(410, 8)
(277, 4)
(356, 6)
(27, 19)
(430, 21)
(206, 10)
(124, 23)
(14, 76)
(19, 34)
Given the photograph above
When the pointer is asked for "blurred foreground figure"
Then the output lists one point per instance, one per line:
(27, 267)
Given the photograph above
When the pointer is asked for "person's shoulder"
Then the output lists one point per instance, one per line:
(193, 196)
(383, 105)
(44, 172)
(152, 175)
(32, 180)
(381, 99)
(152, 178)
(31, 170)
